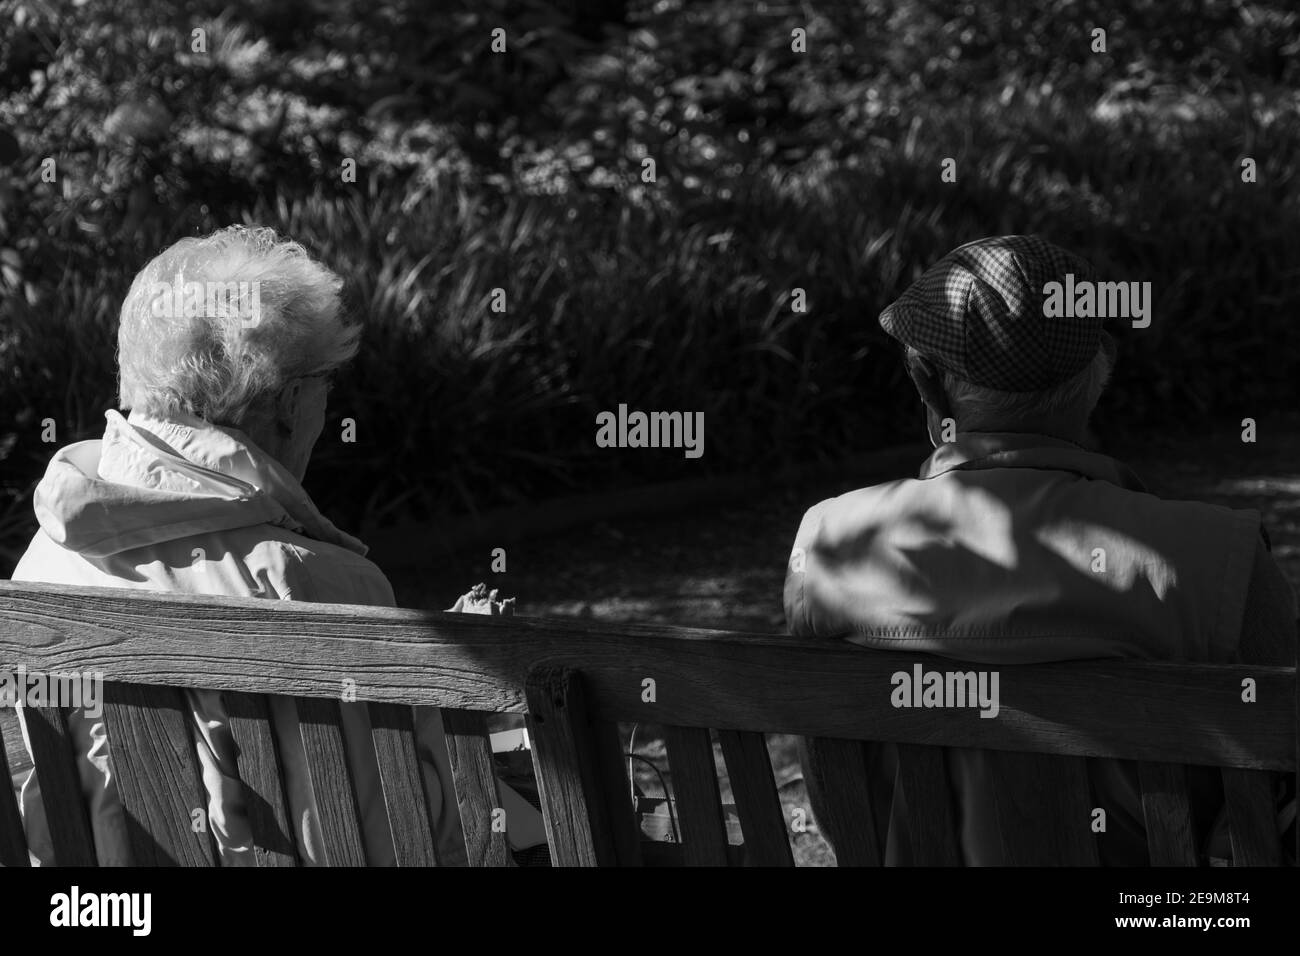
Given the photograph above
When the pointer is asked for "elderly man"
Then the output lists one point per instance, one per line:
(1015, 544)
(226, 347)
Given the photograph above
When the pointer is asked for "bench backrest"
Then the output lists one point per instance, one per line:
(576, 682)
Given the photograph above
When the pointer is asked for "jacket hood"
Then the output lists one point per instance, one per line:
(153, 480)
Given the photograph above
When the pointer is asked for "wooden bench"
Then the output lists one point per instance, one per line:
(575, 681)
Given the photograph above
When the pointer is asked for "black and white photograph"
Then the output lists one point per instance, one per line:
(649, 433)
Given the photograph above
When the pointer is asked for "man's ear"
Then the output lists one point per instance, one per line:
(928, 381)
(1111, 349)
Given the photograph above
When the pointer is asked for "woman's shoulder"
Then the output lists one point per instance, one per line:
(303, 569)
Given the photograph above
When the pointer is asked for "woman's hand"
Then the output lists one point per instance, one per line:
(479, 600)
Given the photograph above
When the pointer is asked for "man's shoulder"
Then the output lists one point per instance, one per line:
(1070, 490)
(862, 500)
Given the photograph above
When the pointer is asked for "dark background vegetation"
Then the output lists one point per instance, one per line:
(775, 170)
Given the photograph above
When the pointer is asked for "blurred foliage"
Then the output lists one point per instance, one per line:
(775, 170)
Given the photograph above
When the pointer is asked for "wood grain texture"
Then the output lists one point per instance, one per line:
(1043, 810)
(930, 812)
(151, 744)
(66, 813)
(613, 779)
(13, 841)
(695, 790)
(475, 781)
(393, 731)
(1167, 811)
(258, 761)
(20, 761)
(578, 830)
(835, 772)
(1187, 713)
(753, 789)
(470, 749)
(1252, 818)
(321, 728)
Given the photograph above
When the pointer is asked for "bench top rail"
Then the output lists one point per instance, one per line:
(1188, 713)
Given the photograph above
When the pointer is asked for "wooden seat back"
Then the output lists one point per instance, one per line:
(716, 694)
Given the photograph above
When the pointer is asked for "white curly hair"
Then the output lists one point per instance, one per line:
(212, 361)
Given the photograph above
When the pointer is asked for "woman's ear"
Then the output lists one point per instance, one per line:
(288, 407)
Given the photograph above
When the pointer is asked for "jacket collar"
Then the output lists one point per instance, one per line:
(972, 451)
(186, 454)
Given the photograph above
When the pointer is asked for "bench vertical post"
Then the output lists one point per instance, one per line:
(618, 798)
(1252, 817)
(320, 723)
(258, 764)
(158, 779)
(1167, 812)
(469, 748)
(66, 814)
(753, 788)
(13, 842)
(839, 788)
(578, 825)
(931, 816)
(1042, 807)
(392, 728)
(695, 787)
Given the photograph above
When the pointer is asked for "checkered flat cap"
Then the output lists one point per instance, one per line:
(978, 313)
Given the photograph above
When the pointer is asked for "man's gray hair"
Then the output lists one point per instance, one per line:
(224, 363)
(976, 408)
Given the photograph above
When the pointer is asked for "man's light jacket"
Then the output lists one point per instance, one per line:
(1018, 548)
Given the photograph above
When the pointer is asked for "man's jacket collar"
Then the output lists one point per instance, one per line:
(978, 450)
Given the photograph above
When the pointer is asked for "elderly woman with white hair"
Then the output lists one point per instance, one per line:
(226, 347)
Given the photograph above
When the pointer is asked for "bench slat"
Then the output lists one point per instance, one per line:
(13, 841)
(469, 746)
(931, 816)
(1167, 811)
(835, 773)
(1043, 809)
(753, 789)
(618, 795)
(66, 813)
(321, 727)
(1252, 818)
(249, 720)
(152, 752)
(578, 828)
(695, 787)
(393, 732)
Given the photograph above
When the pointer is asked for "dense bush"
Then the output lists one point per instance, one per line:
(775, 170)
